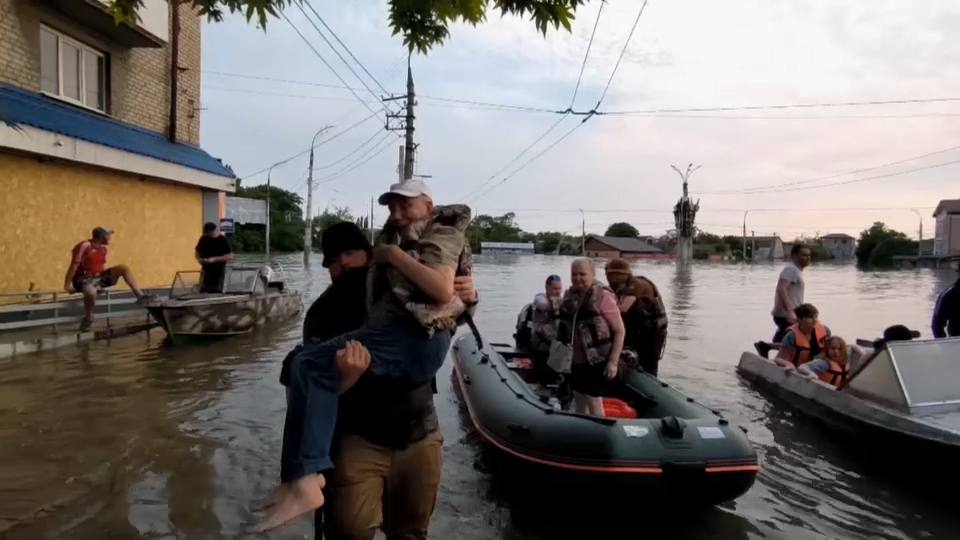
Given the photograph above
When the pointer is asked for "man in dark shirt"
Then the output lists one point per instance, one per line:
(946, 313)
(213, 252)
(389, 448)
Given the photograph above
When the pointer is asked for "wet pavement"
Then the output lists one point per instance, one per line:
(136, 439)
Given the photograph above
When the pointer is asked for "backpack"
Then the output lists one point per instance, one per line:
(524, 329)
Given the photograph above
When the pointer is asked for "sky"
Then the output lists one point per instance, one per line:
(794, 171)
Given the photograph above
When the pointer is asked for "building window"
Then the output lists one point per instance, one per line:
(71, 70)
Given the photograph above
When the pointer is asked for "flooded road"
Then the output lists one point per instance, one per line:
(135, 439)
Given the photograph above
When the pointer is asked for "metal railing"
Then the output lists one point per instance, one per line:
(45, 308)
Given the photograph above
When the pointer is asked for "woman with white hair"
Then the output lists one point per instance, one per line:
(592, 328)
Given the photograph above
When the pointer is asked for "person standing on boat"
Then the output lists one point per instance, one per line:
(790, 290)
(591, 325)
(537, 322)
(644, 315)
(804, 340)
(88, 273)
(213, 252)
(946, 312)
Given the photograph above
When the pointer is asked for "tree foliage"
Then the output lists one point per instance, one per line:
(422, 23)
(622, 229)
(878, 245)
(286, 218)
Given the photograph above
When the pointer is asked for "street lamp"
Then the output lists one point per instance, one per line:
(308, 222)
(920, 243)
(583, 233)
(745, 212)
(269, 172)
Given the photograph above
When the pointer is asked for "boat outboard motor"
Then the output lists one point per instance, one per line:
(523, 336)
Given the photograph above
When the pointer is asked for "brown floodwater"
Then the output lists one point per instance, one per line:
(137, 439)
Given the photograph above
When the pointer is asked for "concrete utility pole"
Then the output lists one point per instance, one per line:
(684, 215)
(583, 233)
(269, 172)
(920, 243)
(409, 149)
(308, 223)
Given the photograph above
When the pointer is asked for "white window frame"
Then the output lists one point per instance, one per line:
(83, 48)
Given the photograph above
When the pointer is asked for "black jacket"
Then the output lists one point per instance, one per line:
(946, 313)
(375, 408)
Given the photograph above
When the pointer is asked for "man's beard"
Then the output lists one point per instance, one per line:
(413, 230)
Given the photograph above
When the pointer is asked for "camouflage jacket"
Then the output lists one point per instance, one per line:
(441, 241)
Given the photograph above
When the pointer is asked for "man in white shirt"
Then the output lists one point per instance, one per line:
(789, 292)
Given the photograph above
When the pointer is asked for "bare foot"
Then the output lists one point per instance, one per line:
(304, 496)
(271, 500)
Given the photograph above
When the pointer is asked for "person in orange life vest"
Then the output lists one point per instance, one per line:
(804, 340)
(88, 273)
(833, 367)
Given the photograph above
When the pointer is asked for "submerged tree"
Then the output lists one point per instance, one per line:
(422, 23)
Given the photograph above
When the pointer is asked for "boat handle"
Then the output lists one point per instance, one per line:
(518, 428)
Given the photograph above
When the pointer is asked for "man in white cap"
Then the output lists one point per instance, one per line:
(414, 310)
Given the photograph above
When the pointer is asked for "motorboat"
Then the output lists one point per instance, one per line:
(902, 399)
(249, 297)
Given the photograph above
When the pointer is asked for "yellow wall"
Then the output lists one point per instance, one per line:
(46, 208)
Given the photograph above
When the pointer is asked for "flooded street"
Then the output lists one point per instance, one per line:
(135, 439)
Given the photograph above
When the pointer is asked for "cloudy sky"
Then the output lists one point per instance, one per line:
(794, 169)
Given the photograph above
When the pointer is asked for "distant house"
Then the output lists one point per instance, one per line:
(946, 239)
(612, 247)
(507, 247)
(839, 246)
(787, 248)
(926, 247)
(766, 247)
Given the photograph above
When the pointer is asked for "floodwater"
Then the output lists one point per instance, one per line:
(136, 439)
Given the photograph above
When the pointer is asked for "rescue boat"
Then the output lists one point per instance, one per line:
(901, 402)
(653, 441)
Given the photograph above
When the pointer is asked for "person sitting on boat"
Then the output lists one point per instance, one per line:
(213, 252)
(384, 429)
(412, 313)
(831, 367)
(537, 322)
(644, 315)
(804, 340)
(591, 326)
(88, 273)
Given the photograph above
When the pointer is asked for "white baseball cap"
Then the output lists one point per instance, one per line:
(410, 188)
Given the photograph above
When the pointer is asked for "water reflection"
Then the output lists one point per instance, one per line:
(144, 440)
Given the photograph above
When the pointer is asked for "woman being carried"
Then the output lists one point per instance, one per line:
(412, 314)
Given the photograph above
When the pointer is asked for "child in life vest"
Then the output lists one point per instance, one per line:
(412, 313)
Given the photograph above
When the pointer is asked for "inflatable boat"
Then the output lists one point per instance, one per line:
(654, 441)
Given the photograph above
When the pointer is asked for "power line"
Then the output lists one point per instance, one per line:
(340, 56)
(342, 44)
(360, 161)
(277, 94)
(582, 122)
(514, 160)
(354, 151)
(791, 106)
(324, 60)
(705, 209)
(854, 181)
(321, 143)
(586, 55)
(747, 191)
(622, 52)
(653, 113)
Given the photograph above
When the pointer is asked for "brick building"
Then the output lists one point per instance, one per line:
(85, 142)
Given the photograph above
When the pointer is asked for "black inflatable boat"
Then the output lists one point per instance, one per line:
(654, 440)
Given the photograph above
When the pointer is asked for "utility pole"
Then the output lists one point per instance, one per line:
(371, 221)
(920, 243)
(409, 150)
(308, 223)
(583, 233)
(744, 254)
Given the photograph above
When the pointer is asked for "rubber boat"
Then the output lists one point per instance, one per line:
(654, 440)
(249, 297)
(903, 398)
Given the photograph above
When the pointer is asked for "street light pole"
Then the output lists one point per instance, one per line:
(269, 172)
(744, 254)
(308, 223)
(920, 243)
(583, 233)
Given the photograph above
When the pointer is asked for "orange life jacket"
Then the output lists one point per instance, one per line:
(802, 354)
(836, 374)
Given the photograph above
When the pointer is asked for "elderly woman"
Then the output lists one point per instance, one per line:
(590, 324)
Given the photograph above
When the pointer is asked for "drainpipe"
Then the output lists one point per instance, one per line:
(174, 68)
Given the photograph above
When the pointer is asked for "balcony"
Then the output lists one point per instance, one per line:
(152, 30)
